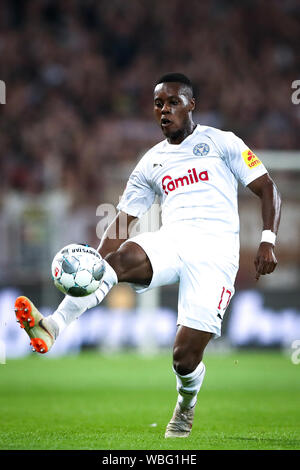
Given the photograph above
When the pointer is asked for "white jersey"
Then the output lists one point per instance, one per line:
(196, 180)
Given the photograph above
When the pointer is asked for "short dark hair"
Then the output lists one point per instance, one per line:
(175, 77)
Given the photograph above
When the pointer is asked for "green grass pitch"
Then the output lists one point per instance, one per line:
(94, 401)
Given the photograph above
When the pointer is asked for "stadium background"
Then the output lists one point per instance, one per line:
(78, 115)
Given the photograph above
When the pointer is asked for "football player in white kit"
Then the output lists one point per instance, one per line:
(195, 172)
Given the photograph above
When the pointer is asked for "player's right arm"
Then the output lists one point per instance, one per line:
(116, 233)
(137, 198)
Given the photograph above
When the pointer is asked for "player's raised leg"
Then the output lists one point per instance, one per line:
(128, 264)
(188, 352)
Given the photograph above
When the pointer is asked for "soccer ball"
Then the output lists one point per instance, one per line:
(77, 270)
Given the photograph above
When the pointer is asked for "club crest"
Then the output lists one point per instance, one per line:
(201, 149)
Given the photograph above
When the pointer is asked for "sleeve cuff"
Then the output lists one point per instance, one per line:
(129, 211)
(254, 176)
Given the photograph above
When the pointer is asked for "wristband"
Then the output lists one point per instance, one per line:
(268, 236)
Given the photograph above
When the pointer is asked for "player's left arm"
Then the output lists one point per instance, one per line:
(265, 188)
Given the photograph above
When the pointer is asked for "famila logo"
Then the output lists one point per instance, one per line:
(170, 184)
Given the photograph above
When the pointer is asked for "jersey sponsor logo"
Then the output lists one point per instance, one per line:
(170, 184)
(251, 160)
(201, 149)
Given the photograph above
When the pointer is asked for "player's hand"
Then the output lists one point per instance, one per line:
(265, 261)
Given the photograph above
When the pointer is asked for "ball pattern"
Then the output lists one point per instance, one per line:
(77, 270)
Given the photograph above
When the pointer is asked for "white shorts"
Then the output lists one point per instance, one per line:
(205, 266)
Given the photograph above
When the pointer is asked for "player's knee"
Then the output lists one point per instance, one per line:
(119, 262)
(124, 260)
(184, 361)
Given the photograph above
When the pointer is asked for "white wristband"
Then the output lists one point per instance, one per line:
(268, 236)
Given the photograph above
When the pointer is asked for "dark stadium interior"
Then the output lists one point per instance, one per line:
(78, 115)
(80, 73)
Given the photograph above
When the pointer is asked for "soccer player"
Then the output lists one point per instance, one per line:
(195, 172)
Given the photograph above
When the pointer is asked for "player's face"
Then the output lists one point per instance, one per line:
(173, 111)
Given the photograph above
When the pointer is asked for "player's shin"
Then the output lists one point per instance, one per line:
(72, 307)
(189, 385)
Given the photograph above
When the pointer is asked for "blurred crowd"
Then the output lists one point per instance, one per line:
(79, 79)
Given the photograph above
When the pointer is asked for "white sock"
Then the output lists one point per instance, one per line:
(189, 385)
(72, 307)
